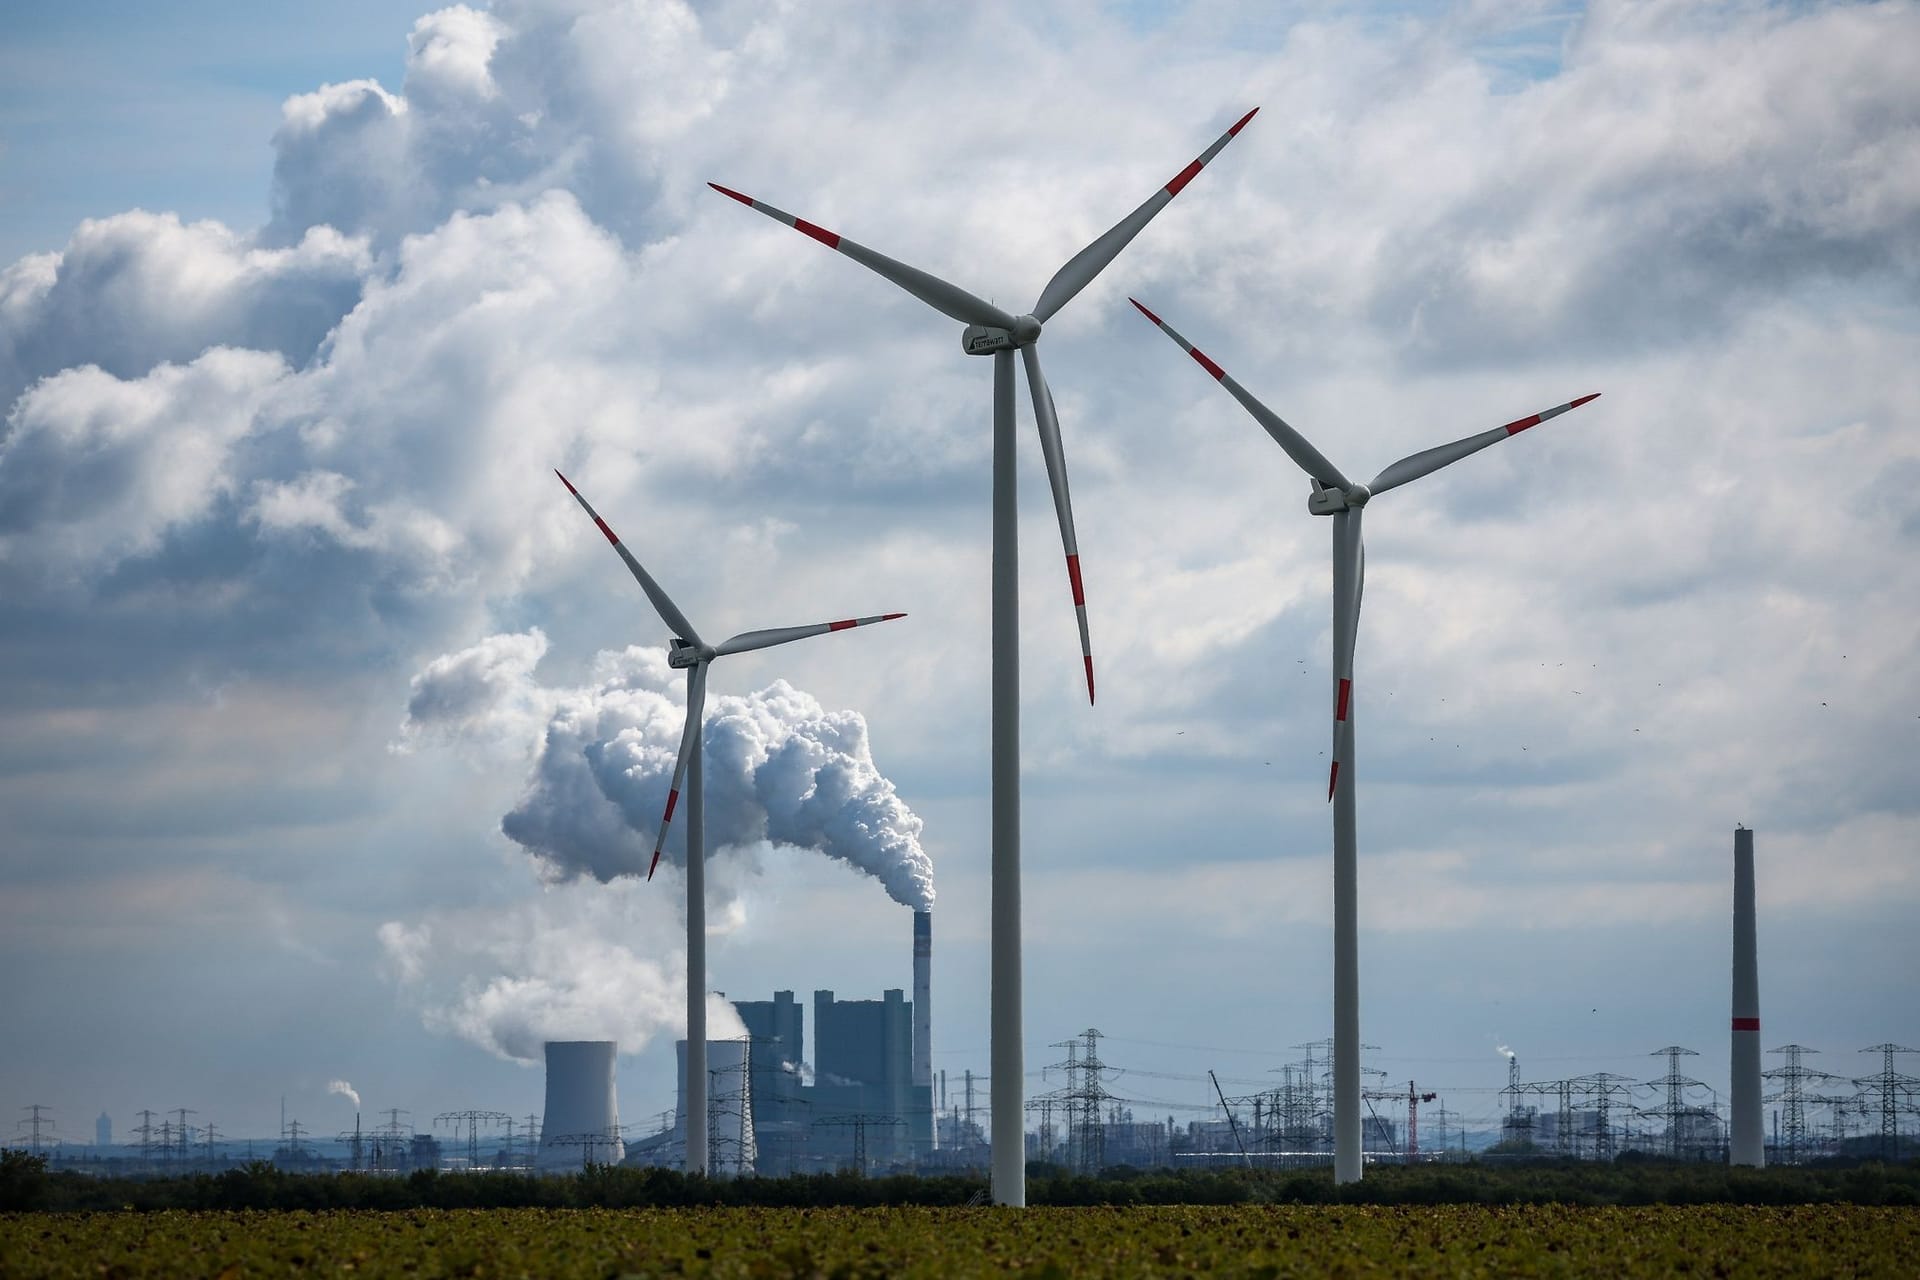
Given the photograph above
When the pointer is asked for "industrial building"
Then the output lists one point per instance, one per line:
(862, 1097)
(856, 1104)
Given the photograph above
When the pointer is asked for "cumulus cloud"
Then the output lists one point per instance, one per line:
(136, 290)
(347, 497)
(318, 451)
(358, 157)
(95, 468)
(780, 768)
(1642, 195)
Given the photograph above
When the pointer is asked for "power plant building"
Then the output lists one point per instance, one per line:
(856, 1101)
(862, 1076)
(777, 1029)
(860, 1091)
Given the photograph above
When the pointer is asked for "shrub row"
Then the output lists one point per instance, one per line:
(25, 1183)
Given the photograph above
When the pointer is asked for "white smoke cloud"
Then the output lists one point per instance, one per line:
(582, 961)
(598, 955)
(483, 694)
(346, 1091)
(780, 768)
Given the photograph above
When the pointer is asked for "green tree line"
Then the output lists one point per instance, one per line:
(27, 1184)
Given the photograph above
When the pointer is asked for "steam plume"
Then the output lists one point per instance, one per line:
(574, 964)
(564, 966)
(780, 768)
(346, 1091)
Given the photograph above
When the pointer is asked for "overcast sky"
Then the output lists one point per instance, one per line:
(301, 306)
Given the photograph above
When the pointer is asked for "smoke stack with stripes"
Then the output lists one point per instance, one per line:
(922, 1124)
(1748, 1138)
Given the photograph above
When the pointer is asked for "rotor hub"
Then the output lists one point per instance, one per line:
(1326, 500)
(990, 339)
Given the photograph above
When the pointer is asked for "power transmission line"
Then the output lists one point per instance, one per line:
(1790, 1147)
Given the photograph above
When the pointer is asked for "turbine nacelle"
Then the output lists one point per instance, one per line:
(682, 654)
(986, 339)
(1325, 501)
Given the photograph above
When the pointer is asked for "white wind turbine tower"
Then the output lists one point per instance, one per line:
(991, 331)
(1334, 495)
(690, 653)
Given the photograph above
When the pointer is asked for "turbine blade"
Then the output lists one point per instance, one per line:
(1092, 260)
(948, 299)
(1428, 461)
(1050, 449)
(1304, 455)
(1349, 582)
(696, 707)
(747, 640)
(1359, 586)
(663, 603)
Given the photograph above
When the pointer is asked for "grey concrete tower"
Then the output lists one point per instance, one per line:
(1748, 1138)
(921, 1126)
(582, 1118)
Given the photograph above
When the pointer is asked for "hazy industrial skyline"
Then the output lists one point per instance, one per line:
(259, 474)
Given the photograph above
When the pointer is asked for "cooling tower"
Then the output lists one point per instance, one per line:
(582, 1118)
(1748, 1137)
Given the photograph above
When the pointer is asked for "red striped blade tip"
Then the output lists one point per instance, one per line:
(889, 617)
(1143, 310)
(1181, 179)
(831, 239)
(729, 191)
(563, 480)
(1242, 122)
(1089, 661)
(653, 864)
(1582, 400)
(1333, 779)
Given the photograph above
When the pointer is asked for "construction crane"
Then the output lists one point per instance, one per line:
(1413, 1098)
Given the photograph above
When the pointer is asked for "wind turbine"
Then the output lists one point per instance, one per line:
(1334, 495)
(693, 655)
(991, 331)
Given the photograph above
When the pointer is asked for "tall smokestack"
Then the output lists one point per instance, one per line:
(1749, 1135)
(923, 1012)
(582, 1118)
